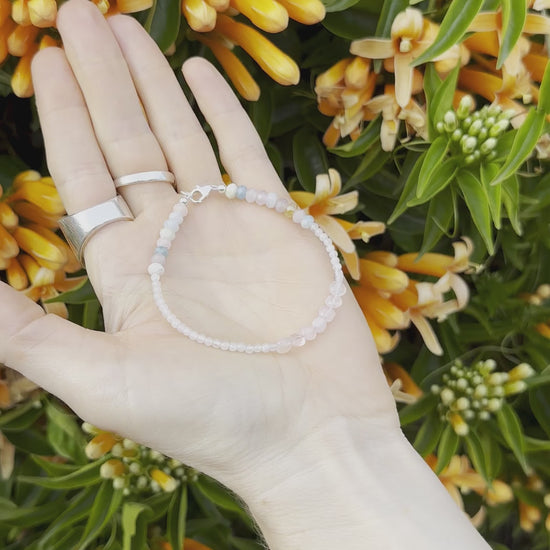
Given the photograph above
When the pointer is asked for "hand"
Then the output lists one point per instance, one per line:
(235, 271)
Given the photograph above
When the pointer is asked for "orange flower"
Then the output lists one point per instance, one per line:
(411, 35)
(403, 387)
(326, 202)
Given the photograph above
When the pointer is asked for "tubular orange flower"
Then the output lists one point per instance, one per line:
(38, 192)
(411, 35)
(383, 312)
(237, 72)
(326, 202)
(200, 15)
(132, 6)
(101, 444)
(112, 468)
(383, 277)
(16, 276)
(279, 66)
(20, 12)
(42, 13)
(21, 80)
(8, 245)
(40, 248)
(21, 40)
(268, 15)
(403, 387)
(5, 10)
(304, 11)
(219, 5)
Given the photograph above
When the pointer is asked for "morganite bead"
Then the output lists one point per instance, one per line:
(338, 289)
(261, 197)
(298, 340)
(284, 345)
(241, 192)
(271, 200)
(180, 208)
(167, 234)
(308, 333)
(158, 259)
(298, 215)
(281, 205)
(333, 301)
(201, 339)
(231, 191)
(172, 225)
(319, 324)
(251, 195)
(161, 250)
(232, 346)
(176, 216)
(327, 313)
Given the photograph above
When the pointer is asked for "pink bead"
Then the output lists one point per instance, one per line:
(251, 195)
(281, 205)
(261, 197)
(271, 200)
(158, 259)
(284, 345)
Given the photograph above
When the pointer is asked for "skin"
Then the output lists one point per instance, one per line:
(274, 428)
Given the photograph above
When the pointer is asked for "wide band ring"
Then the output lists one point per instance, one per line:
(155, 176)
(79, 227)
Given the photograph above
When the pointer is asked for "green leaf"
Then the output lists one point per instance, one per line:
(494, 192)
(510, 428)
(540, 406)
(428, 435)
(533, 445)
(510, 198)
(177, 513)
(409, 189)
(453, 27)
(246, 544)
(441, 176)
(134, 519)
(163, 22)
(438, 220)
(80, 295)
(524, 142)
(10, 514)
(442, 100)
(24, 420)
(13, 416)
(448, 445)
(309, 158)
(371, 163)
(107, 502)
(362, 144)
(418, 409)
(434, 157)
(478, 204)
(338, 5)
(65, 434)
(388, 14)
(54, 469)
(10, 166)
(351, 23)
(87, 475)
(544, 92)
(218, 494)
(30, 441)
(476, 454)
(492, 453)
(432, 81)
(513, 20)
(76, 510)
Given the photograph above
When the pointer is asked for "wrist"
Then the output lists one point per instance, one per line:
(349, 486)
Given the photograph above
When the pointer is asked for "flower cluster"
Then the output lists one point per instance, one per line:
(538, 298)
(530, 514)
(136, 469)
(391, 300)
(471, 394)
(25, 27)
(33, 258)
(474, 136)
(460, 478)
(346, 91)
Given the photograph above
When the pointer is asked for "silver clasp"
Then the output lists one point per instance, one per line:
(200, 192)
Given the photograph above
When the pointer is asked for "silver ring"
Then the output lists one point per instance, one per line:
(155, 176)
(79, 227)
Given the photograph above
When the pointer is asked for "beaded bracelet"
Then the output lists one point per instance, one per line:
(168, 232)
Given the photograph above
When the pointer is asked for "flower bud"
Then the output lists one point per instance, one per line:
(450, 121)
(482, 134)
(101, 444)
(435, 389)
(480, 391)
(166, 482)
(119, 483)
(462, 403)
(483, 415)
(42, 12)
(462, 384)
(456, 135)
(511, 388)
(440, 127)
(469, 144)
(20, 12)
(475, 127)
(307, 12)
(469, 159)
(459, 425)
(112, 468)
(267, 15)
(464, 107)
(488, 145)
(521, 371)
(494, 404)
(447, 396)
(498, 128)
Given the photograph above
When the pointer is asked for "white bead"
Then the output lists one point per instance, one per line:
(164, 243)
(249, 349)
(327, 313)
(155, 278)
(257, 348)
(308, 333)
(216, 343)
(208, 341)
(181, 209)
(298, 215)
(333, 301)
(251, 195)
(266, 348)
(201, 339)
(158, 259)
(284, 345)
(319, 324)
(232, 346)
(307, 222)
(155, 268)
(298, 340)
(176, 216)
(224, 345)
(231, 191)
(281, 205)
(271, 200)
(166, 233)
(193, 335)
(338, 289)
(241, 347)
(261, 197)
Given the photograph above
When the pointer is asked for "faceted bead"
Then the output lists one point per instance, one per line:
(251, 195)
(308, 333)
(281, 205)
(241, 347)
(327, 313)
(231, 191)
(319, 324)
(155, 268)
(172, 225)
(298, 215)
(208, 341)
(158, 259)
(224, 346)
(261, 197)
(180, 208)
(241, 192)
(307, 222)
(284, 345)
(164, 243)
(266, 348)
(232, 346)
(249, 349)
(161, 250)
(338, 289)
(201, 338)
(298, 340)
(177, 217)
(271, 200)
(257, 348)
(167, 234)
(333, 301)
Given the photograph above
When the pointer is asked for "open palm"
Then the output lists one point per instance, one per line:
(109, 106)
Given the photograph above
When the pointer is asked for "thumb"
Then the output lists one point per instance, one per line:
(73, 363)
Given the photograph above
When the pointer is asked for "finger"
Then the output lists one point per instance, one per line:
(180, 134)
(61, 357)
(74, 158)
(122, 131)
(241, 149)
